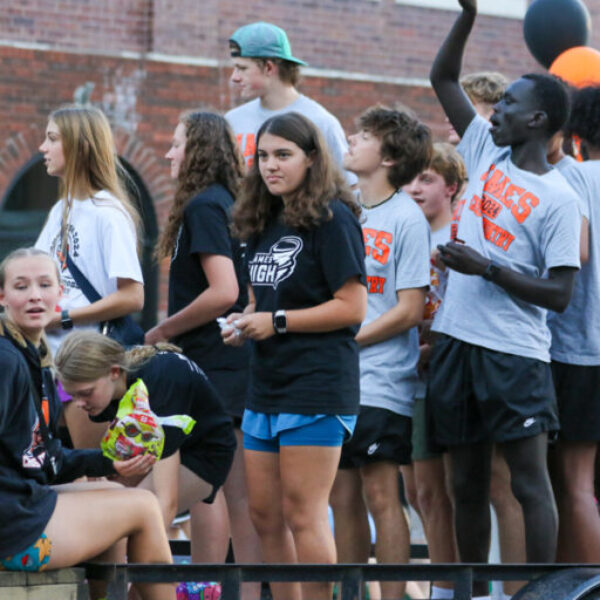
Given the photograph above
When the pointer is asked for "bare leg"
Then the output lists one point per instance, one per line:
(526, 459)
(511, 526)
(246, 543)
(352, 535)
(380, 482)
(307, 474)
(438, 520)
(210, 525)
(471, 466)
(579, 522)
(85, 524)
(266, 512)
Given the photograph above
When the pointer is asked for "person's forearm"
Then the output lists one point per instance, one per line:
(395, 321)
(209, 305)
(122, 302)
(448, 61)
(329, 316)
(551, 293)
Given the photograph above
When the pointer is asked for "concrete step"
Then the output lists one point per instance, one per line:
(62, 584)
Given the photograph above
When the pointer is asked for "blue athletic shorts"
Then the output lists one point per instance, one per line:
(34, 558)
(267, 432)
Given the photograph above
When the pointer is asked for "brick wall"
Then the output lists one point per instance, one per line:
(151, 59)
(376, 37)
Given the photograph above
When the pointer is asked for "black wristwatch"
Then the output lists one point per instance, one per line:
(491, 272)
(279, 321)
(65, 320)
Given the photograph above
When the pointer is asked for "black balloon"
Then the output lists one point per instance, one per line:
(553, 26)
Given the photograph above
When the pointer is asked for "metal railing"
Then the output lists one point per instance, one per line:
(352, 576)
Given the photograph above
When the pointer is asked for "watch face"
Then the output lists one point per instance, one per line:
(280, 323)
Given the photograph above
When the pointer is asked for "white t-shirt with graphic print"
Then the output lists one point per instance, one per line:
(102, 244)
(526, 222)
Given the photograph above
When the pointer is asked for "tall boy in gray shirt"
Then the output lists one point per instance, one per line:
(491, 379)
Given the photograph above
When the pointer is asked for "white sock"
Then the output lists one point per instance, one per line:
(440, 593)
(482, 598)
(507, 596)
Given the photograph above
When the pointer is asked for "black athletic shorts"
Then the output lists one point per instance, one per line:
(380, 435)
(211, 462)
(578, 396)
(232, 387)
(476, 394)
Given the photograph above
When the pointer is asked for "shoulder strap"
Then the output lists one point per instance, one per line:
(86, 287)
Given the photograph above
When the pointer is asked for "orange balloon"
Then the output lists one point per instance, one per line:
(579, 66)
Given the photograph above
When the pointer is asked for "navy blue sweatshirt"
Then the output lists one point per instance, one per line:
(26, 499)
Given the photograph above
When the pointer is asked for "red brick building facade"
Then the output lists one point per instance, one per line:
(150, 59)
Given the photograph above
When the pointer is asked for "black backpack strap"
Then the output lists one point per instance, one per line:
(84, 285)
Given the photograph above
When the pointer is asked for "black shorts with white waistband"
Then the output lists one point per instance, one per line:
(479, 395)
(380, 435)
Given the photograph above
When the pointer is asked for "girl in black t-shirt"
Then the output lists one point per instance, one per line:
(206, 267)
(44, 527)
(305, 259)
(97, 371)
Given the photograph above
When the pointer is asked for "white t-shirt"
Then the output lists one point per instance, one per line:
(396, 236)
(576, 331)
(102, 243)
(526, 222)
(245, 120)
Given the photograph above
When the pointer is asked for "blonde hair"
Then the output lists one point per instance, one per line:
(485, 86)
(91, 161)
(88, 355)
(24, 253)
(448, 163)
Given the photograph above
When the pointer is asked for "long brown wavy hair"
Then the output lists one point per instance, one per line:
(309, 204)
(211, 156)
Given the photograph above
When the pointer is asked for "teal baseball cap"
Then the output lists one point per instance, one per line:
(262, 40)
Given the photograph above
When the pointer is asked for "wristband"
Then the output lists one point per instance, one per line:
(279, 321)
(65, 321)
(491, 272)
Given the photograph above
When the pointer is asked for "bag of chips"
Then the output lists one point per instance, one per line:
(136, 430)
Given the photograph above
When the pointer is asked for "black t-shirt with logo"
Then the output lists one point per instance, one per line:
(205, 230)
(305, 373)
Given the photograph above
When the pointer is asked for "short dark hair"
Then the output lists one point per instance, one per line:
(288, 72)
(552, 97)
(585, 115)
(404, 139)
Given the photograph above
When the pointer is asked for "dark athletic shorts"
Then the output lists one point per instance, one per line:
(211, 462)
(232, 386)
(476, 395)
(578, 396)
(380, 435)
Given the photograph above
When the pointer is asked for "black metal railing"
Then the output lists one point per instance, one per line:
(352, 576)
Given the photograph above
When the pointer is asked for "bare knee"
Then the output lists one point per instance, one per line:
(266, 519)
(433, 498)
(381, 499)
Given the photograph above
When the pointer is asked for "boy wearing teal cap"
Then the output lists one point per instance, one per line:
(266, 74)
